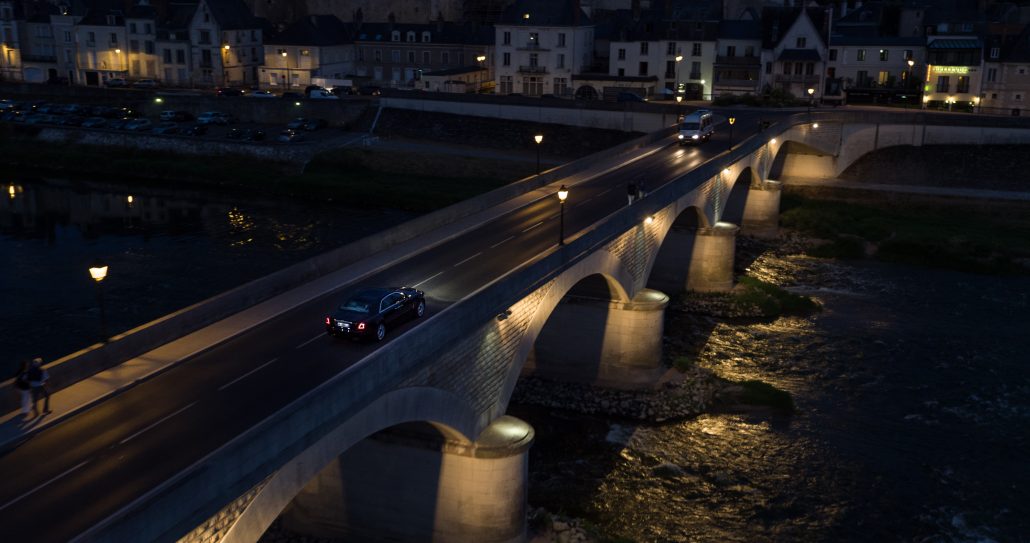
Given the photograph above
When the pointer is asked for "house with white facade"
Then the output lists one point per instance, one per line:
(1006, 81)
(679, 54)
(738, 58)
(313, 46)
(141, 24)
(101, 47)
(10, 41)
(541, 45)
(794, 50)
(225, 44)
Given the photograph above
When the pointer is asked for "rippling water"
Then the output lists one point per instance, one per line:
(913, 402)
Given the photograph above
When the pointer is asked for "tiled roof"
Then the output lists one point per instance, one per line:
(545, 13)
(314, 30)
(233, 15)
(776, 22)
(740, 30)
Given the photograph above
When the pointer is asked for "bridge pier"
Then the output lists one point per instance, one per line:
(762, 210)
(412, 483)
(711, 262)
(602, 342)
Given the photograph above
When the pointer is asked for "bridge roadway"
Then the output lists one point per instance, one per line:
(73, 475)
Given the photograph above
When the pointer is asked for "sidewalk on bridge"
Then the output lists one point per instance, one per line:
(64, 403)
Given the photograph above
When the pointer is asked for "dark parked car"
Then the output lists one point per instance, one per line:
(314, 124)
(228, 91)
(369, 312)
(167, 127)
(292, 95)
(175, 115)
(94, 122)
(289, 136)
(195, 130)
(253, 134)
(297, 124)
(370, 90)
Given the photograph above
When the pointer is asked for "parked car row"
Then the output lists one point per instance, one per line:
(121, 82)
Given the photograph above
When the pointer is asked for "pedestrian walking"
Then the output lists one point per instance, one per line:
(38, 378)
(631, 192)
(21, 382)
(641, 190)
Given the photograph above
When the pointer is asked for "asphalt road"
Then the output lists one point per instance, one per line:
(70, 476)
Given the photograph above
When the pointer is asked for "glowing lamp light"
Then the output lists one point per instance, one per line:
(563, 193)
(539, 138)
(296, 103)
(283, 54)
(811, 91)
(98, 272)
(226, 47)
(128, 198)
(158, 100)
(911, 63)
(815, 125)
(726, 171)
(117, 50)
(649, 219)
(679, 58)
(732, 120)
(679, 99)
(481, 58)
(773, 141)
(10, 191)
(525, 16)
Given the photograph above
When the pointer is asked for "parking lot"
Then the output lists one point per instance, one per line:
(212, 124)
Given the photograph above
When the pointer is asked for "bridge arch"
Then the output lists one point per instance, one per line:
(449, 414)
(738, 192)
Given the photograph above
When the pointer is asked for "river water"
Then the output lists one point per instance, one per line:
(912, 389)
(166, 249)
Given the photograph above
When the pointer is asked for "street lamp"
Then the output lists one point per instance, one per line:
(951, 101)
(811, 93)
(539, 138)
(98, 272)
(286, 60)
(479, 85)
(731, 120)
(679, 58)
(911, 63)
(563, 193)
(679, 111)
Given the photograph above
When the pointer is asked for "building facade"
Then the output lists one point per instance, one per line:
(540, 45)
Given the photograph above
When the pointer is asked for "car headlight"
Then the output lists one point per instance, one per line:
(694, 137)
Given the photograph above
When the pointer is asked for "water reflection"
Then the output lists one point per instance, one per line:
(913, 398)
(166, 249)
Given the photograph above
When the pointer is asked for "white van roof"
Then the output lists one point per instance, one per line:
(697, 115)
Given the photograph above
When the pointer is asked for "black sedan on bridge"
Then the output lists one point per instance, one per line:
(368, 313)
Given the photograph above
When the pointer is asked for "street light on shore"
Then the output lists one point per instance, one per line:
(679, 58)
(563, 193)
(539, 138)
(731, 120)
(98, 272)
(811, 94)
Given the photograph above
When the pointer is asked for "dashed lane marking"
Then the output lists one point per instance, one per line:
(427, 279)
(505, 240)
(532, 227)
(306, 343)
(34, 490)
(245, 375)
(122, 442)
(467, 259)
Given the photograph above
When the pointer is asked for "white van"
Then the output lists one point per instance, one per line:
(696, 127)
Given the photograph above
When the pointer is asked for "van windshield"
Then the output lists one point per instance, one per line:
(690, 126)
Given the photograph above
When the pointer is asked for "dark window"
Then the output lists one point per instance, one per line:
(622, 54)
(943, 84)
(731, 51)
(963, 84)
(861, 55)
(643, 48)
(180, 56)
(167, 56)
(643, 68)
(883, 55)
(833, 54)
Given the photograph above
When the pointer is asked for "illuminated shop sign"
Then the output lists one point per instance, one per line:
(962, 70)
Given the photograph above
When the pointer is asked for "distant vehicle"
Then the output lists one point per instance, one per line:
(290, 95)
(629, 97)
(314, 124)
(177, 116)
(74, 109)
(297, 124)
(118, 124)
(72, 120)
(139, 125)
(93, 122)
(214, 117)
(697, 127)
(289, 136)
(261, 94)
(167, 127)
(6, 103)
(228, 92)
(253, 134)
(145, 84)
(369, 312)
(116, 82)
(338, 87)
(322, 94)
(369, 90)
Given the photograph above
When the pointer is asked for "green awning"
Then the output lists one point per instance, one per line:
(954, 44)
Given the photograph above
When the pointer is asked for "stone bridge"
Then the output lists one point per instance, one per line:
(413, 443)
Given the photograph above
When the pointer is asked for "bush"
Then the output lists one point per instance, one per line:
(762, 393)
(771, 299)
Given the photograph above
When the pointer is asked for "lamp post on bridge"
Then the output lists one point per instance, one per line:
(676, 67)
(563, 193)
(731, 120)
(811, 95)
(539, 138)
(479, 86)
(98, 272)
(679, 109)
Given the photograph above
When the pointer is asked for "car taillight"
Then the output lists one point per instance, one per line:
(327, 320)
(361, 326)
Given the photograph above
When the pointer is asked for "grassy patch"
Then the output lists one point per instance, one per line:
(762, 393)
(682, 363)
(946, 237)
(771, 299)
